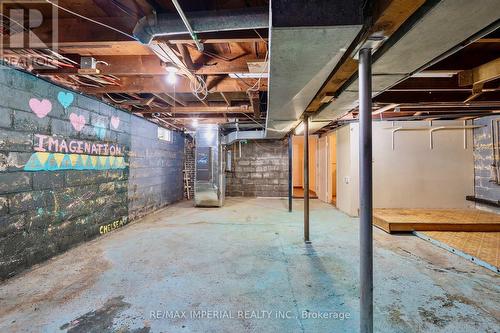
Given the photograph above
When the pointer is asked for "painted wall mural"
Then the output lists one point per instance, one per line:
(103, 229)
(66, 99)
(77, 121)
(53, 154)
(57, 161)
(115, 122)
(59, 154)
(40, 107)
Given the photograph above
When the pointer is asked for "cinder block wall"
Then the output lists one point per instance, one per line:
(155, 169)
(261, 171)
(484, 188)
(64, 170)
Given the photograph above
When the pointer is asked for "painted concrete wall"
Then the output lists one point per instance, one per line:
(484, 186)
(412, 175)
(64, 169)
(261, 171)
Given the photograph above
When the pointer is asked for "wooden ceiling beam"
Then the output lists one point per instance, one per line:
(151, 65)
(255, 103)
(158, 84)
(197, 109)
(480, 74)
(390, 17)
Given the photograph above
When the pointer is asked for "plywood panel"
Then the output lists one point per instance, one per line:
(481, 245)
(407, 220)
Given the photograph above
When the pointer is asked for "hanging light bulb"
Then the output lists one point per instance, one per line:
(171, 78)
(172, 74)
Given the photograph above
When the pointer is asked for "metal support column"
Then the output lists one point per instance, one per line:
(290, 185)
(365, 190)
(306, 179)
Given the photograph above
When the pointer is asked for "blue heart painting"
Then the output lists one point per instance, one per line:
(66, 99)
(100, 131)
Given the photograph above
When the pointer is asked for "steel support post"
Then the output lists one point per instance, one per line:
(306, 179)
(365, 191)
(290, 185)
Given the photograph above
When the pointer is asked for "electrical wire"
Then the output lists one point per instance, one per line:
(256, 86)
(91, 20)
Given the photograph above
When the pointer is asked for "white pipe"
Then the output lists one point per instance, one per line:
(188, 26)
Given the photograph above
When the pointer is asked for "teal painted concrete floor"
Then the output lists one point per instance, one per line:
(178, 269)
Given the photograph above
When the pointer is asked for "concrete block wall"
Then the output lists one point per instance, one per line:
(484, 187)
(64, 170)
(155, 169)
(261, 171)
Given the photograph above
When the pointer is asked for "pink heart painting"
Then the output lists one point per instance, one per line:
(115, 122)
(40, 108)
(77, 121)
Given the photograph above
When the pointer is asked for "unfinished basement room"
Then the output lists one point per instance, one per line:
(267, 166)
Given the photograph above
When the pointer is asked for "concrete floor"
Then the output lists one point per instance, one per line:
(248, 256)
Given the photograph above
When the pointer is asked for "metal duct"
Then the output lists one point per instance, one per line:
(157, 25)
(307, 39)
(209, 182)
(447, 24)
(242, 135)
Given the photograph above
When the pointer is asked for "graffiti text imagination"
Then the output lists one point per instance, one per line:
(56, 145)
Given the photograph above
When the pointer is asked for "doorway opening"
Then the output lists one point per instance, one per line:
(298, 166)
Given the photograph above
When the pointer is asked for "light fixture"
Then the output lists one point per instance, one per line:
(172, 74)
(299, 129)
(195, 122)
(171, 78)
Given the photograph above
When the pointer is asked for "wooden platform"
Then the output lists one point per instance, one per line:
(483, 248)
(408, 220)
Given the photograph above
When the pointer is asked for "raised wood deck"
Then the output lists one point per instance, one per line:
(482, 248)
(408, 220)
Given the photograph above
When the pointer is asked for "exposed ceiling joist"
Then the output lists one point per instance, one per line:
(480, 74)
(200, 109)
(158, 84)
(151, 65)
(390, 18)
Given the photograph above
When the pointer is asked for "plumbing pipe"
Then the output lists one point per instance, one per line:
(188, 25)
(442, 128)
(431, 131)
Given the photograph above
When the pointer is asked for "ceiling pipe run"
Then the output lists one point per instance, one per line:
(164, 24)
(178, 7)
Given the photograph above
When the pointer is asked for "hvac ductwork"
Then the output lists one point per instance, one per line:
(307, 39)
(433, 30)
(158, 25)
